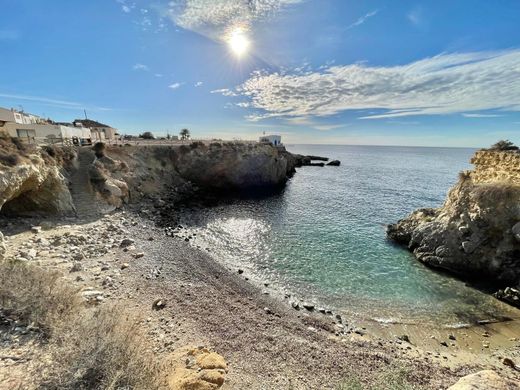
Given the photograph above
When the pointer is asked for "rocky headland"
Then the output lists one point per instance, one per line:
(476, 233)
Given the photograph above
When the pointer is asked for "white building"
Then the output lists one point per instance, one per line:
(48, 133)
(19, 117)
(273, 139)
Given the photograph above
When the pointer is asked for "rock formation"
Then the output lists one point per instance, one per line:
(475, 233)
(35, 184)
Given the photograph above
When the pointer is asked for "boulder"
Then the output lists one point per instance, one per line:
(483, 380)
(196, 369)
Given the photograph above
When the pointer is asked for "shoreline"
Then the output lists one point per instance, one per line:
(257, 333)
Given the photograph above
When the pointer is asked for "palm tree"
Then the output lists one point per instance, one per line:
(185, 134)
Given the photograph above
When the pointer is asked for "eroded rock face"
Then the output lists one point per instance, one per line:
(3, 248)
(34, 187)
(233, 165)
(196, 369)
(474, 234)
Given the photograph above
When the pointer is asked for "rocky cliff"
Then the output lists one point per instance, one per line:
(32, 180)
(476, 233)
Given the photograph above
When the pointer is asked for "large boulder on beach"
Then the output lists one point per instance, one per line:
(483, 380)
(474, 234)
(196, 369)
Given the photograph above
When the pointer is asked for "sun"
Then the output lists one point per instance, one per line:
(238, 42)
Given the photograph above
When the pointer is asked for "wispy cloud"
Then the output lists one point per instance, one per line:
(158, 75)
(415, 16)
(224, 91)
(214, 17)
(126, 6)
(198, 84)
(175, 85)
(363, 19)
(141, 67)
(53, 102)
(444, 84)
(475, 115)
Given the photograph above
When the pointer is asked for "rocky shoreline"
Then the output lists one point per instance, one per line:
(185, 299)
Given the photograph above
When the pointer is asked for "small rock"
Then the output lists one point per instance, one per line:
(36, 229)
(452, 337)
(125, 265)
(308, 306)
(76, 267)
(404, 337)
(240, 271)
(159, 304)
(138, 255)
(126, 242)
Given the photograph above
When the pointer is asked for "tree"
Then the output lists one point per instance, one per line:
(185, 134)
(504, 145)
(147, 135)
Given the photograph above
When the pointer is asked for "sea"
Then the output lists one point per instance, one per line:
(322, 238)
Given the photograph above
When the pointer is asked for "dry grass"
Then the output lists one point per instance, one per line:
(496, 192)
(89, 348)
(13, 151)
(34, 296)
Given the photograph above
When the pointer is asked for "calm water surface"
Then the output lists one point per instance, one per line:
(323, 238)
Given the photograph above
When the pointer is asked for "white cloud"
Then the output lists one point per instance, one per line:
(224, 91)
(214, 17)
(327, 127)
(174, 85)
(470, 115)
(444, 84)
(198, 84)
(158, 75)
(141, 67)
(363, 19)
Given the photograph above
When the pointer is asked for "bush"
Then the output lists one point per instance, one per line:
(504, 145)
(99, 149)
(147, 135)
(9, 159)
(89, 348)
(35, 296)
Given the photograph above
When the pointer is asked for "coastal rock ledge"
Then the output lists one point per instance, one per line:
(476, 233)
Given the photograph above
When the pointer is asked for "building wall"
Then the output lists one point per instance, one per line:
(273, 139)
(45, 133)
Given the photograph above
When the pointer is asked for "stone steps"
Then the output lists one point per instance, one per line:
(81, 189)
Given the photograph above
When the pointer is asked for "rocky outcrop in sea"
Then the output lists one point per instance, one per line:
(475, 234)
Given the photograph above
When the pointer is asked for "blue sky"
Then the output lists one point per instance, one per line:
(432, 73)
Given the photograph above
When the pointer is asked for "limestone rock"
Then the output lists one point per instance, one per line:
(475, 234)
(196, 369)
(483, 380)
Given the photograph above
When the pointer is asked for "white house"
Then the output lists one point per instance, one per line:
(273, 139)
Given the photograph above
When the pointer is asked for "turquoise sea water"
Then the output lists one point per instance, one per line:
(323, 238)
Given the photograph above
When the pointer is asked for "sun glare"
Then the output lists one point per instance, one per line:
(238, 42)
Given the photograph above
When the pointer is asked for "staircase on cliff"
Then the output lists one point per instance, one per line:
(81, 190)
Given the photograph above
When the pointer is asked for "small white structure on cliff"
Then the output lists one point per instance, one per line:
(273, 139)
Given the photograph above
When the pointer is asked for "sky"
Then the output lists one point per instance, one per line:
(418, 73)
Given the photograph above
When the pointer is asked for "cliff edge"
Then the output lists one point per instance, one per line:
(476, 233)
